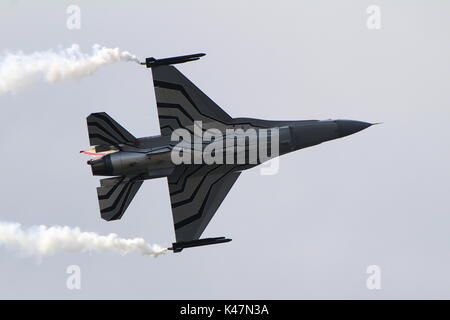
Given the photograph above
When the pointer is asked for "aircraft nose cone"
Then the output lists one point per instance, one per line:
(348, 127)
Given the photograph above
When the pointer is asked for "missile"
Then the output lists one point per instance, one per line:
(153, 62)
(179, 246)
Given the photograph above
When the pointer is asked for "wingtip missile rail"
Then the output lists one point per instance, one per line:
(153, 62)
(179, 246)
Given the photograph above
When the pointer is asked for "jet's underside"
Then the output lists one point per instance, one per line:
(197, 186)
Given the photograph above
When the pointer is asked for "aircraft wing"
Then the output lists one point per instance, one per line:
(196, 192)
(180, 102)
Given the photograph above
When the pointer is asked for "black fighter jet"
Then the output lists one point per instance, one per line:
(201, 151)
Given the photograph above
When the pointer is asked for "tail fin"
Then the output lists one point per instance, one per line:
(105, 132)
(116, 194)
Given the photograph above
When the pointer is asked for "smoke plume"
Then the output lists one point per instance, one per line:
(41, 240)
(19, 70)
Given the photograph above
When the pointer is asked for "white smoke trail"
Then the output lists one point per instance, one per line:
(18, 70)
(41, 240)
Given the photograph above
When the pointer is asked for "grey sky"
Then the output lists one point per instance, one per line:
(378, 197)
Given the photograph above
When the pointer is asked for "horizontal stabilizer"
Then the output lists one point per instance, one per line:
(105, 132)
(116, 194)
(179, 246)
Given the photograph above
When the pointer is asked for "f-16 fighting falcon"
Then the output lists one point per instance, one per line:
(201, 151)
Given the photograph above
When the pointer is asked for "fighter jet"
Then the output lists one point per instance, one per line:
(191, 124)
